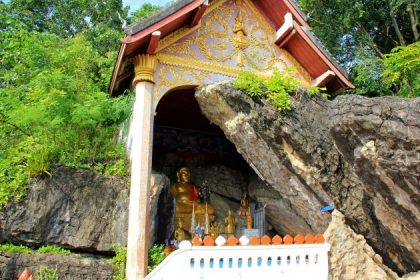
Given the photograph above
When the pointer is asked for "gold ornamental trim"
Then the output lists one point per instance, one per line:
(168, 59)
(175, 36)
(144, 68)
(184, 31)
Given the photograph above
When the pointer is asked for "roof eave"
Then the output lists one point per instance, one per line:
(320, 51)
(131, 38)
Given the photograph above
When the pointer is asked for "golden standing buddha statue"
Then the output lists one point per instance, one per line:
(186, 199)
(249, 219)
(230, 223)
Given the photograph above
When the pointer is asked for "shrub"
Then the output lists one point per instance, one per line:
(53, 249)
(119, 261)
(45, 273)
(402, 70)
(275, 88)
(10, 248)
(156, 256)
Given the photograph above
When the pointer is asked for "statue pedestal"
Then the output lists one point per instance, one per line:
(251, 232)
(200, 219)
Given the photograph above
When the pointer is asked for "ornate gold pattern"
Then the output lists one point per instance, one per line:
(261, 18)
(184, 31)
(213, 5)
(171, 76)
(144, 68)
(199, 65)
(175, 36)
(212, 50)
(216, 41)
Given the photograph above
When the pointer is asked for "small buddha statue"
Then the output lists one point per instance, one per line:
(180, 233)
(243, 209)
(186, 200)
(230, 223)
(249, 219)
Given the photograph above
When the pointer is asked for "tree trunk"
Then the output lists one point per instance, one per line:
(370, 41)
(413, 20)
(397, 30)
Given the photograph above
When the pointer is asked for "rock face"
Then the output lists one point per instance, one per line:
(358, 153)
(350, 256)
(221, 180)
(380, 139)
(75, 208)
(69, 267)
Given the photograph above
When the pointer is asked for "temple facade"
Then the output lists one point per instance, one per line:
(195, 42)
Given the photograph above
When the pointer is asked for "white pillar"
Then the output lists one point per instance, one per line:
(141, 165)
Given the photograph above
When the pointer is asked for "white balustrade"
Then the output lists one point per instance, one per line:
(293, 262)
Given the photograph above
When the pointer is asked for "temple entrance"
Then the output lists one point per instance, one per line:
(184, 137)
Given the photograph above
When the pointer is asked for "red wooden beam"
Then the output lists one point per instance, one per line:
(285, 29)
(117, 67)
(199, 13)
(296, 14)
(323, 79)
(313, 46)
(285, 40)
(153, 43)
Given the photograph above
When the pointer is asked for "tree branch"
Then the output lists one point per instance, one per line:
(397, 30)
(413, 20)
(370, 41)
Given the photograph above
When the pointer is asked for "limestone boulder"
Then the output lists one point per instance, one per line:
(379, 138)
(359, 154)
(67, 267)
(75, 208)
(264, 138)
(350, 256)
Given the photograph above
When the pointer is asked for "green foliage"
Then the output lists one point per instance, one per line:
(119, 261)
(145, 11)
(53, 106)
(251, 83)
(10, 248)
(279, 99)
(275, 87)
(367, 76)
(156, 256)
(402, 70)
(67, 18)
(53, 249)
(45, 273)
(364, 32)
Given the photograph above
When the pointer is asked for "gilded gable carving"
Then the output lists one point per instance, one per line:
(232, 37)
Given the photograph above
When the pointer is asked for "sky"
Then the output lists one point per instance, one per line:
(135, 4)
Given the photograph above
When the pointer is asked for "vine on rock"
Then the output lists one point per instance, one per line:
(275, 87)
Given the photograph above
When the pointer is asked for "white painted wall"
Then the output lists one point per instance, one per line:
(306, 261)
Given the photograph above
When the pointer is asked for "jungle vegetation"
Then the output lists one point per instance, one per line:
(56, 59)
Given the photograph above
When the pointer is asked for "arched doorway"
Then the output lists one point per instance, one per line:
(184, 137)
